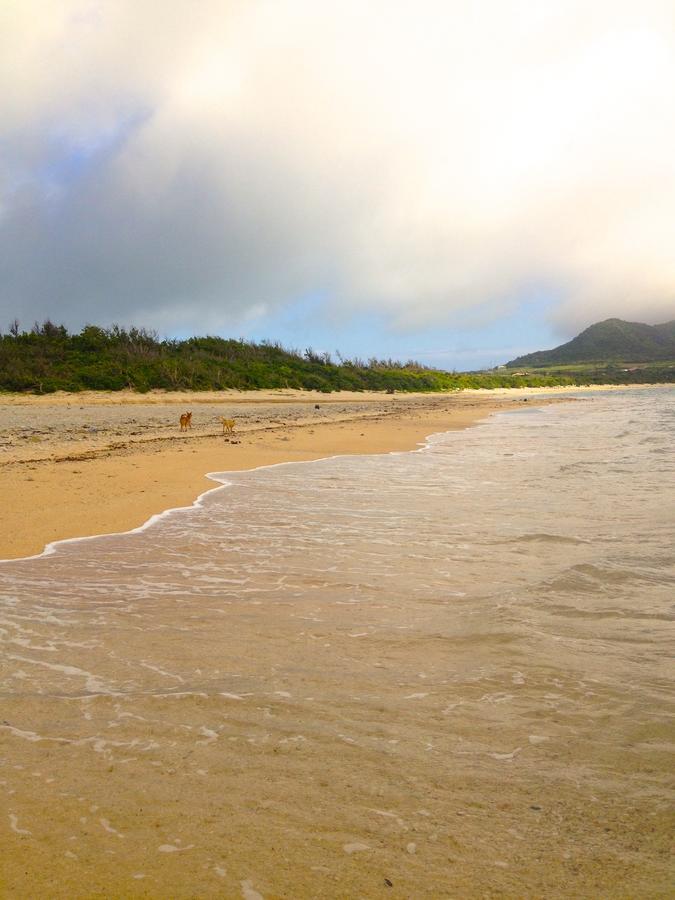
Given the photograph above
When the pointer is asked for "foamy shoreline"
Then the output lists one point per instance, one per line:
(78, 465)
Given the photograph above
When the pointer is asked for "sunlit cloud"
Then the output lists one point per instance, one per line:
(194, 166)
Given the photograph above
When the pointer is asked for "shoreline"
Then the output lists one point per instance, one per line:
(64, 478)
(423, 444)
(352, 673)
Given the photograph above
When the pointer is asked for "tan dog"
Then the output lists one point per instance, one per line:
(228, 425)
(186, 421)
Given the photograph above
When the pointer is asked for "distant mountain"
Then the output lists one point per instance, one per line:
(611, 340)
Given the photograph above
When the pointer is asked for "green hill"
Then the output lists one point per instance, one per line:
(610, 341)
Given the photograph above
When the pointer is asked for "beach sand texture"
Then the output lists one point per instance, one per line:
(415, 675)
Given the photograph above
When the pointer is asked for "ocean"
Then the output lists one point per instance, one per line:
(440, 673)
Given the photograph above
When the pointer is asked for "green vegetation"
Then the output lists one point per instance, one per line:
(612, 343)
(607, 373)
(48, 358)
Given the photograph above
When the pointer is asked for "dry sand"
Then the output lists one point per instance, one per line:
(73, 465)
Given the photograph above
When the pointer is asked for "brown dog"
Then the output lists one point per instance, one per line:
(186, 421)
(228, 425)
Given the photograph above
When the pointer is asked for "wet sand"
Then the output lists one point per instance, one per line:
(328, 724)
(73, 465)
(204, 740)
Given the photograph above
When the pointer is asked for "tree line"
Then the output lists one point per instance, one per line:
(49, 358)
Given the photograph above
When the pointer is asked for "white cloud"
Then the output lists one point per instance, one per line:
(188, 164)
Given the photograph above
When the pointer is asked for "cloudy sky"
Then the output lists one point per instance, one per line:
(458, 182)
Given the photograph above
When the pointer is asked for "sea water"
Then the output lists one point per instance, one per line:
(446, 669)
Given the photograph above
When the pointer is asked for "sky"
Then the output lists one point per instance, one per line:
(455, 182)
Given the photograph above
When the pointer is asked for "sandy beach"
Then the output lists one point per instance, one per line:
(441, 674)
(73, 465)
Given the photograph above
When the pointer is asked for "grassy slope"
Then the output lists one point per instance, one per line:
(608, 373)
(49, 358)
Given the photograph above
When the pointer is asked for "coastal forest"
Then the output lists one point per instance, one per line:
(49, 358)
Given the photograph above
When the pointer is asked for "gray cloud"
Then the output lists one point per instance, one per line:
(187, 166)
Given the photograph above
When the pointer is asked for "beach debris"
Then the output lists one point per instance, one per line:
(209, 735)
(14, 825)
(109, 828)
(385, 813)
(509, 756)
(355, 847)
(316, 406)
(248, 892)
(411, 847)
(388, 882)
